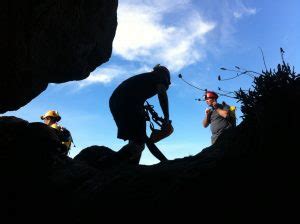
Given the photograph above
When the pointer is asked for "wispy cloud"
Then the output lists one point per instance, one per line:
(106, 75)
(101, 76)
(148, 32)
(240, 9)
(244, 11)
(231, 12)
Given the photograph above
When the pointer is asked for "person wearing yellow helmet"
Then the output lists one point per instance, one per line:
(51, 118)
(217, 115)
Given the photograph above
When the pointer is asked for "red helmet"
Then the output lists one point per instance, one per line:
(210, 94)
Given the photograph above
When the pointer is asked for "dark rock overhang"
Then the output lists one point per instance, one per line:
(53, 42)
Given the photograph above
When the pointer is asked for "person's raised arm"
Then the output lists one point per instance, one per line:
(206, 120)
(163, 100)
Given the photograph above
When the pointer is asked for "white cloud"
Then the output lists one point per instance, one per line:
(108, 74)
(172, 34)
(101, 76)
(230, 13)
(241, 13)
(243, 10)
(145, 33)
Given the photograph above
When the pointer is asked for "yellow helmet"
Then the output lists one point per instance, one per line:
(51, 113)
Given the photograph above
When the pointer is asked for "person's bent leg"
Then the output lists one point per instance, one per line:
(155, 151)
(132, 152)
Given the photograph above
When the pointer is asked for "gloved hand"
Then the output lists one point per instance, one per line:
(167, 127)
(166, 122)
(166, 130)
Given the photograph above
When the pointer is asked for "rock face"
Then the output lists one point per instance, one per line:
(239, 173)
(53, 42)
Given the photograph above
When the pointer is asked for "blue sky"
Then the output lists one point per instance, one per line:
(194, 38)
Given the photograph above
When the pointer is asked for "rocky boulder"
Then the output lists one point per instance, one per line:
(52, 42)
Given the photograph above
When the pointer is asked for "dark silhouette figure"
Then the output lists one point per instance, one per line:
(127, 107)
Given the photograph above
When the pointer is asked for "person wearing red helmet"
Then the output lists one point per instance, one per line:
(217, 116)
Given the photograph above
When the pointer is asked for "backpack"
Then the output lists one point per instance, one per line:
(64, 134)
(66, 139)
(232, 117)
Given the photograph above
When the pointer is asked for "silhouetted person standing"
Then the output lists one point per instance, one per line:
(127, 107)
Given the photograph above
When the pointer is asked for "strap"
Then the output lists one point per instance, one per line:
(150, 111)
(154, 116)
(151, 126)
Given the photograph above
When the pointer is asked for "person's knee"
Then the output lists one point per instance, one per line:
(132, 151)
(138, 145)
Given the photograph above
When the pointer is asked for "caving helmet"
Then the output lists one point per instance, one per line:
(51, 113)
